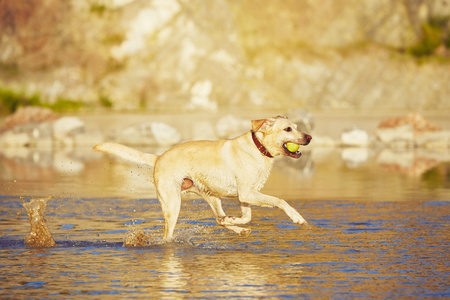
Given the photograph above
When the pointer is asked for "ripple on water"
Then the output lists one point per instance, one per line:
(365, 250)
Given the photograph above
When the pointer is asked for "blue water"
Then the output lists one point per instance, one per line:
(348, 250)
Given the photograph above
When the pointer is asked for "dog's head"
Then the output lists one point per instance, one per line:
(280, 136)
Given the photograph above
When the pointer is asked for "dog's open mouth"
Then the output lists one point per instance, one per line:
(292, 149)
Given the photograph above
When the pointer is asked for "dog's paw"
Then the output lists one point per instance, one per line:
(239, 230)
(229, 220)
(298, 219)
(303, 223)
(245, 232)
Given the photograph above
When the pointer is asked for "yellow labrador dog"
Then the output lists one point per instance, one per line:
(236, 168)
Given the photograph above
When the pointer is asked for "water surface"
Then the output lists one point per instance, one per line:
(378, 228)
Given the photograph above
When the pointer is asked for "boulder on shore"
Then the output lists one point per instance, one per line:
(412, 130)
(42, 128)
(147, 133)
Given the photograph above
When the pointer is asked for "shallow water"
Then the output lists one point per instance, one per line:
(378, 228)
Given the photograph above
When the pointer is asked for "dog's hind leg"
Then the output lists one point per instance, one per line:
(170, 199)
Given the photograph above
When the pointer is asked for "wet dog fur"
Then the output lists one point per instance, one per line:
(226, 168)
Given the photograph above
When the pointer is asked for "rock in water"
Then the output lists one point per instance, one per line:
(65, 128)
(148, 133)
(355, 137)
(416, 120)
(412, 130)
(28, 114)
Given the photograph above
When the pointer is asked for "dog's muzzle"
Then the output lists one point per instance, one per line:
(292, 151)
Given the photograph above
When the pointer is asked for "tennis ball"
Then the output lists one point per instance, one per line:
(292, 147)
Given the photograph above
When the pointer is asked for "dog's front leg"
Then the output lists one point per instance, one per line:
(239, 230)
(244, 219)
(230, 222)
(227, 221)
(260, 199)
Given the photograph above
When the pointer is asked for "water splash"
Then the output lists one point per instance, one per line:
(186, 236)
(136, 238)
(40, 236)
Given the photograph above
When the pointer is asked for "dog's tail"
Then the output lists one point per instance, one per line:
(127, 153)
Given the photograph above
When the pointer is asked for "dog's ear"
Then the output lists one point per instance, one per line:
(261, 125)
(256, 124)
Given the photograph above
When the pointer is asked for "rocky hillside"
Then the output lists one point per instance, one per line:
(177, 54)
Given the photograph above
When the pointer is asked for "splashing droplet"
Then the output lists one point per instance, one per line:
(136, 238)
(40, 235)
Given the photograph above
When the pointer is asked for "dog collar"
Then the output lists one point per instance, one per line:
(260, 146)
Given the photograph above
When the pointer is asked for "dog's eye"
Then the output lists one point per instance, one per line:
(288, 129)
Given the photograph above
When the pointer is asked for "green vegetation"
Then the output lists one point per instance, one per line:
(436, 33)
(62, 105)
(433, 178)
(114, 39)
(105, 101)
(98, 8)
(11, 100)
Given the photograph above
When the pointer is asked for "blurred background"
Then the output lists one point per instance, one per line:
(368, 79)
(178, 55)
